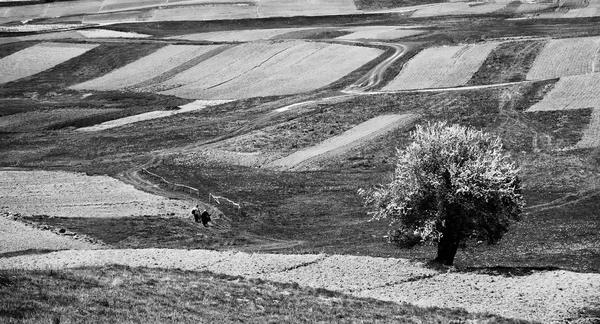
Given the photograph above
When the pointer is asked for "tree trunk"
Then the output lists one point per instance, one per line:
(447, 247)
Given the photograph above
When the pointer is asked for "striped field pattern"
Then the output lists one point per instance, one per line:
(564, 57)
(440, 67)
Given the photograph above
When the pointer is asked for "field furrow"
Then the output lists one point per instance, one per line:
(440, 67)
(564, 57)
(38, 58)
(148, 67)
(572, 92)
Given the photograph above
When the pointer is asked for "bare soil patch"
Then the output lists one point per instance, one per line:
(77, 195)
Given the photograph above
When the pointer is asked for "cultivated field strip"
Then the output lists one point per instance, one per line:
(439, 67)
(564, 57)
(356, 136)
(263, 69)
(543, 296)
(273, 8)
(64, 194)
(457, 8)
(194, 106)
(162, 61)
(44, 119)
(239, 35)
(107, 33)
(591, 135)
(591, 10)
(38, 58)
(17, 236)
(200, 12)
(115, 5)
(68, 8)
(380, 32)
(572, 92)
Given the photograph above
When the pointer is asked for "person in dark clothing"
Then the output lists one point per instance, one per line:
(196, 213)
(205, 218)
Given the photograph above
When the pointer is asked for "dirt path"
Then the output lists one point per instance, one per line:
(545, 296)
(306, 159)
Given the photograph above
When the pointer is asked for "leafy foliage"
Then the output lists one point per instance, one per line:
(452, 184)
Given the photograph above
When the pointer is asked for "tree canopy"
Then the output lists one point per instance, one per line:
(452, 184)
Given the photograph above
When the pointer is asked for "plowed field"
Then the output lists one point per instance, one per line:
(239, 35)
(148, 67)
(439, 67)
(458, 8)
(573, 92)
(264, 69)
(65, 194)
(38, 58)
(564, 57)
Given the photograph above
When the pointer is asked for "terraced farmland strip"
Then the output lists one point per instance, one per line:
(346, 141)
(458, 8)
(202, 12)
(25, 12)
(92, 64)
(38, 58)
(153, 83)
(275, 8)
(238, 35)
(509, 62)
(572, 92)
(289, 70)
(64, 194)
(564, 57)
(121, 16)
(114, 5)
(68, 8)
(148, 67)
(439, 67)
(223, 67)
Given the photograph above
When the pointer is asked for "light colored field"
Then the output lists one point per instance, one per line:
(572, 92)
(38, 120)
(264, 69)
(274, 8)
(194, 106)
(120, 16)
(63, 194)
(148, 67)
(16, 236)
(439, 67)
(38, 58)
(564, 57)
(358, 135)
(543, 296)
(379, 32)
(457, 8)
(26, 12)
(592, 10)
(106, 33)
(38, 28)
(239, 35)
(67, 8)
(114, 5)
(199, 12)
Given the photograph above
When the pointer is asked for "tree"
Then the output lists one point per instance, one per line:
(451, 185)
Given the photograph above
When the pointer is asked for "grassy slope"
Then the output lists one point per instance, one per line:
(121, 294)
